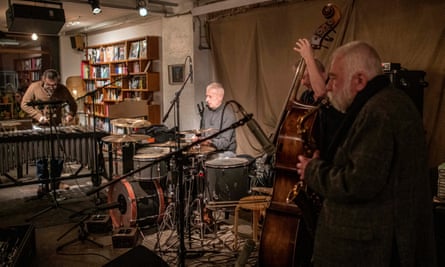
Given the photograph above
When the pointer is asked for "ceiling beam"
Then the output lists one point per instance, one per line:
(223, 5)
(21, 51)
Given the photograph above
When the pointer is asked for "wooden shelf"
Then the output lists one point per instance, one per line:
(30, 69)
(122, 72)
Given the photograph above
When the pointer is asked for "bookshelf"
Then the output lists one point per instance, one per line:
(122, 72)
(30, 69)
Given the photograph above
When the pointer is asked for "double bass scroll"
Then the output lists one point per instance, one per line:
(288, 229)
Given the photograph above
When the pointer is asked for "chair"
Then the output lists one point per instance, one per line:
(255, 203)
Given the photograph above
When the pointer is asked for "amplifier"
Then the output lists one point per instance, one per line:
(17, 245)
(31, 18)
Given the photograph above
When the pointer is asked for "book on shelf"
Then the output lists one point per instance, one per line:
(109, 54)
(136, 67)
(143, 49)
(147, 66)
(122, 52)
(115, 53)
(134, 50)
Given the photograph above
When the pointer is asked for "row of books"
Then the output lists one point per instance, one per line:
(137, 83)
(30, 76)
(137, 49)
(100, 72)
(103, 71)
(29, 64)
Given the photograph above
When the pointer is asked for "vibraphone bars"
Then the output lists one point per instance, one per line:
(72, 143)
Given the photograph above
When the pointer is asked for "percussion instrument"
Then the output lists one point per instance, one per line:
(130, 123)
(140, 203)
(147, 155)
(200, 150)
(125, 138)
(73, 143)
(229, 176)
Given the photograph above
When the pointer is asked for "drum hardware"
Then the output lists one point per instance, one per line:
(178, 155)
(81, 237)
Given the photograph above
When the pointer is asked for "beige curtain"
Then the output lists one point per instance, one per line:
(253, 55)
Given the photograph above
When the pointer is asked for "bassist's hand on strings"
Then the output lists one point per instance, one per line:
(303, 161)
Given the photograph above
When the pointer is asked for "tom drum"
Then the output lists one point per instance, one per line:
(146, 156)
(228, 178)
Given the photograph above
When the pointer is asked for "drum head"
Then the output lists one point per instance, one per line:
(223, 163)
(139, 203)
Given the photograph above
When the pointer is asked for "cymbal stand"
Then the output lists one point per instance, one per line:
(99, 164)
(81, 237)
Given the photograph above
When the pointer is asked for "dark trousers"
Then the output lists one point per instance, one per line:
(44, 173)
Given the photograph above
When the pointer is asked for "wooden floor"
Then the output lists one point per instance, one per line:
(66, 234)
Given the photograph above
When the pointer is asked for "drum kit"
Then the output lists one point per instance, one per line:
(144, 195)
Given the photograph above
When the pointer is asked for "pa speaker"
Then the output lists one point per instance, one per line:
(139, 256)
(29, 18)
(77, 42)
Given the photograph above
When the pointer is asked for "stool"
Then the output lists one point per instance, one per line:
(256, 204)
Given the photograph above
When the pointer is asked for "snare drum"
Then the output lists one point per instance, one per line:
(146, 156)
(141, 204)
(229, 177)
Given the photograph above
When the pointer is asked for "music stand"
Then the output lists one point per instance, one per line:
(52, 104)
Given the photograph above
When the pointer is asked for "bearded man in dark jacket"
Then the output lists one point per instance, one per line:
(377, 208)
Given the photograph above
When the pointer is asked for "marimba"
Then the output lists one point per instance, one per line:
(72, 143)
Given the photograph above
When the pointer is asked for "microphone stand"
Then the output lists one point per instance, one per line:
(180, 166)
(95, 175)
(52, 163)
(178, 154)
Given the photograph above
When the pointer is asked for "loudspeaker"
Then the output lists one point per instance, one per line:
(77, 42)
(412, 83)
(139, 256)
(29, 18)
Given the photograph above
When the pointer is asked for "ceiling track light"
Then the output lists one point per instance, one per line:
(95, 6)
(142, 7)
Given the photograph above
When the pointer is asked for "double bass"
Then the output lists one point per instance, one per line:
(288, 229)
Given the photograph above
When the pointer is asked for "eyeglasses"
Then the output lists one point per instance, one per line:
(49, 85)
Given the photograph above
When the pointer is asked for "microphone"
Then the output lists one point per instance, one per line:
(259, 134)
(248, 247)
(191, 70)
(109, 206)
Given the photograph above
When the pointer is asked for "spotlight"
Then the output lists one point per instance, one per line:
(142, 6)
(95, 7)
(34, 36)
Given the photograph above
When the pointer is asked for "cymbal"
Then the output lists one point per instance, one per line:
(200, 150)
(196, 131)
(130, 123)
(125, 138)
(141, 124)
(168, 144)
